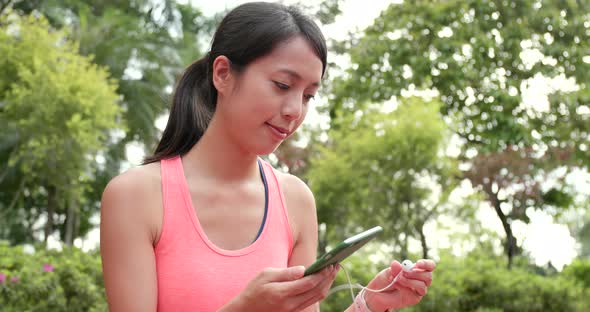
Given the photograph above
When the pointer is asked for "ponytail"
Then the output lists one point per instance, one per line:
(193, 105)
(250, 31)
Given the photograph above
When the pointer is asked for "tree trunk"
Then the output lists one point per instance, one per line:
(71, 220)
(51, 206)
(322, 241)
(423, 241)
(404, 247)
(4, 4)
(510, 243)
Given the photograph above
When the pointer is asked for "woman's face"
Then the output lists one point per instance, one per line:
(269, 100)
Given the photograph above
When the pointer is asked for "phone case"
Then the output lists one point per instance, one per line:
(343, 250)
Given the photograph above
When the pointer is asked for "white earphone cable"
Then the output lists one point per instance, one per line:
(351, 286)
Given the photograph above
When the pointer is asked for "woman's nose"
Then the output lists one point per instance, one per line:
(293, 107)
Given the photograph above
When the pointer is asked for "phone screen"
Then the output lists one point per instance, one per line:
(343, 250)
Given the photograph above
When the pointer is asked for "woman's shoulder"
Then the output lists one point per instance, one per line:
(136, 195)
(136, 181)
(300, 204)
(293, 187)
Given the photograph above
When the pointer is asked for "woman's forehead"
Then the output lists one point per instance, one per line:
(295, 58)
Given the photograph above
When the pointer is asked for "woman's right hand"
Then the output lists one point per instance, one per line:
(283, 290)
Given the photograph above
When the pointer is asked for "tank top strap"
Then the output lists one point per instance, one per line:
(175, 215)
(277, 202)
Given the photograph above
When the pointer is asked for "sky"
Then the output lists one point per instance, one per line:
(545, 240)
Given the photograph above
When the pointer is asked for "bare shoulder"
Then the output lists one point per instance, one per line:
(136, 194)
(296, 191)
(137, 179)
(300, 204)
(130, 214)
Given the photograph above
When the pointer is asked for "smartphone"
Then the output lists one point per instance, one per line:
(343, 250)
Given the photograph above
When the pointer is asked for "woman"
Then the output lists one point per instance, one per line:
(205, 224)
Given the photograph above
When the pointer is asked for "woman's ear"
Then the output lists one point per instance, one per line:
(222, 75)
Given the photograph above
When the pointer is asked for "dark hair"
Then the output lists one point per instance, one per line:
(249, 31)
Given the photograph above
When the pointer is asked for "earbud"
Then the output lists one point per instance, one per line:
(407, 265)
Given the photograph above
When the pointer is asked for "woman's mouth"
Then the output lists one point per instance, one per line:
(278, 132)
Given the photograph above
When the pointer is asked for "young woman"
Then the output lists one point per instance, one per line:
(205, 224)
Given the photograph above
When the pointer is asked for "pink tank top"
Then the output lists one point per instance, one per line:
(194, 274)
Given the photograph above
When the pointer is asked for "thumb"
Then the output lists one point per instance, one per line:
(395, 267)
(385, 277)
(285, 275)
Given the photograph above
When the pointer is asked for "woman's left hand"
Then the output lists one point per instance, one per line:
(408, 289)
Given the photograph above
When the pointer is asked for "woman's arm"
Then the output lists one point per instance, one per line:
(303, 220)
(128, 260)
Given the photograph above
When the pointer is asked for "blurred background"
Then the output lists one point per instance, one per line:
(461, 127)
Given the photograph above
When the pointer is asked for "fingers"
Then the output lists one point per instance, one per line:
(386, 276)
(408, 289)
(395, 267)
(319, 292)
(302, 285)
(425, 265)
(283, 275)
(423, 276)
(417, 286)
(407, 298)
(420, 278)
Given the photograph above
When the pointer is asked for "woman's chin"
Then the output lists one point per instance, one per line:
(266, 150)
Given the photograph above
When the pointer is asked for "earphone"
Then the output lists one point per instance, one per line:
(407, 266)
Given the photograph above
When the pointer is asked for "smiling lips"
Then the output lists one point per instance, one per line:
(278, 132)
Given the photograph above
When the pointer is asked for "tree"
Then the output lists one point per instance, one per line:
(145, 45)
(480, 56)
(382, 169)
(58, 107)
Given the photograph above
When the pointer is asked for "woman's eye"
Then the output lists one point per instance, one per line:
(281, 86)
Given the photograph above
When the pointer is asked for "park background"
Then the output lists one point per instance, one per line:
(461, 127)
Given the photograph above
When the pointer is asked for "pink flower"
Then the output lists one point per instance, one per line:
(14, 279)
(2, 278)
(47, 267)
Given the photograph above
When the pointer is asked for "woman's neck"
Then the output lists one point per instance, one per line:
(216, 156)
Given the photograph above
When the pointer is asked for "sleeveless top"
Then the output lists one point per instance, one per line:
(193, 273)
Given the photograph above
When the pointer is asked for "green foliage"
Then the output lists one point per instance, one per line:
(61, 102)
(579, 271)
(329, 10)
(584, 238)
(58, 108)
(478, 282)
(144, 44)
(68, 280)
(474, 54)
(558, 198)
(373, 171)
(480, 56)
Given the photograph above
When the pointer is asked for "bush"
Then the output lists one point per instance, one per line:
(482, 283)
(71, 280)
(50, 280)
(579, 271)
(479, 283)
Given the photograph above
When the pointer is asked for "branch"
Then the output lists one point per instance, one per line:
(14, 199)
(3, 5)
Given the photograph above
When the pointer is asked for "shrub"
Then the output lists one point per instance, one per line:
(50, 280)
(482, 283)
